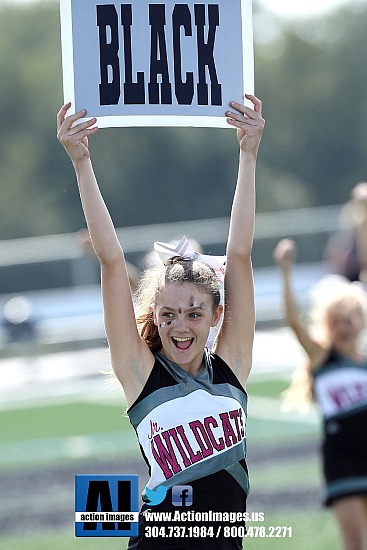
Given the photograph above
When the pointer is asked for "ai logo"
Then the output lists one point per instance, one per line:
(106, 505)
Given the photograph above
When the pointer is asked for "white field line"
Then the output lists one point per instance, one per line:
(108, 444)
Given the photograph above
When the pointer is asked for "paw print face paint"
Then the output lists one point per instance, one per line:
(196, 305)
(165, 324)
(184, 315)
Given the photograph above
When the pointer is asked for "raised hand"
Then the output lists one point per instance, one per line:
(74, 137)
(249, 124)
(359, 193)
(285, 252)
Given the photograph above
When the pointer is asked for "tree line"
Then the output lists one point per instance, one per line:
(310, 76)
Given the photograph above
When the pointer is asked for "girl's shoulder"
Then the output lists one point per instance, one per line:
(333, 358)
(158, 378)
(323, 357)
(222, 372)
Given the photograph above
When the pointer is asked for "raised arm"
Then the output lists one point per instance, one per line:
(284, 255)
(235, 339)
(359, 197)
(131, 358)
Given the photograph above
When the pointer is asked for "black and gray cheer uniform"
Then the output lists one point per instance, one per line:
(191, 432)
(340, 387)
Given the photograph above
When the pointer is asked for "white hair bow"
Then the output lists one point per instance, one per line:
(184, 249)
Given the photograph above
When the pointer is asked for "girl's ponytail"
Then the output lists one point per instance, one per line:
(149, 331)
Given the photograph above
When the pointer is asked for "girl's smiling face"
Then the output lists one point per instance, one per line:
(344, 324)
(184, 315)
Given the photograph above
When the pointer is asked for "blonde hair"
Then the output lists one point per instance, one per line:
(299, 395)
(332, 291)
(178, 271)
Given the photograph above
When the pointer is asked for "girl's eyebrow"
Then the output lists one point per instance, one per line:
(168, 308)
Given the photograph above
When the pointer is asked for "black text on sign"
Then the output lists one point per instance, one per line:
(162, 84)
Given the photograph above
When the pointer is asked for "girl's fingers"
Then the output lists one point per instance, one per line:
(64, 109)
(256, 102)
(240, 108)
(250, 113)
(76, 137)
(67, 121)
(73, 118)
(61, 114)
(241, 118)
(68, 131)
(82, 126)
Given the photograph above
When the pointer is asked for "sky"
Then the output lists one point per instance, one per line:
(295, 9)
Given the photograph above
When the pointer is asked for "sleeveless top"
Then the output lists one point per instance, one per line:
(340, 386)
(191, 427)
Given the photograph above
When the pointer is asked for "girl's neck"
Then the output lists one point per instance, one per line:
(194, 368)
(350, 351)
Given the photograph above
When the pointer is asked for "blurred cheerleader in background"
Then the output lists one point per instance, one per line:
(335, 374)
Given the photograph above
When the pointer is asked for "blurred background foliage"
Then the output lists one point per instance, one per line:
(311, 76)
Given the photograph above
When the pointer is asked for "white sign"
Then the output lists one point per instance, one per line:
(169, 63)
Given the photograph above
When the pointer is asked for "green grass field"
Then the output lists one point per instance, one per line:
(76, 431)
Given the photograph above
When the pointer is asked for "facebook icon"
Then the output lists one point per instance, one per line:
(182, 495)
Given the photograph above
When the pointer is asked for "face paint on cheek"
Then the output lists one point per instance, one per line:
(165, 324)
